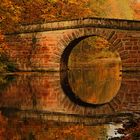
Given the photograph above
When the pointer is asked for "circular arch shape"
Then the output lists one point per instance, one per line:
(70, 40)
(64, 77)
(73, 41)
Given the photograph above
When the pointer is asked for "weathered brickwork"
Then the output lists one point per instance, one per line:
(47, 46)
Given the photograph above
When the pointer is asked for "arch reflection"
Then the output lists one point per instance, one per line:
(93, 86)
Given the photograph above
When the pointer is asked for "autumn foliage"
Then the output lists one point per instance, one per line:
(39, 10)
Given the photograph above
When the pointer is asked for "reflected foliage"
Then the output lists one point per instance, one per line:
(31, 107)
(97, 85)
(25, 128)
(15, 128)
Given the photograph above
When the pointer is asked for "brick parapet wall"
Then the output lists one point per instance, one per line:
(80, 23)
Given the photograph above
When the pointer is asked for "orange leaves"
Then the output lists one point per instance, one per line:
(9, 13)
(40, 10)
(31, 10)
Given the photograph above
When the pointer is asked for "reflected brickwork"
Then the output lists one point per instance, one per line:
(41, 95)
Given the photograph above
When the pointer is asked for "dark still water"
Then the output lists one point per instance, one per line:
(79, 104)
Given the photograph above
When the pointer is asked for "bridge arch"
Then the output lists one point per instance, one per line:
(72, 39)
(46, 46)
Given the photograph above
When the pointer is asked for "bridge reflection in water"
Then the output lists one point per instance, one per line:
(41, 94)
(76, 96)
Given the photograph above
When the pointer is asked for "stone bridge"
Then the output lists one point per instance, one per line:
(47, 46)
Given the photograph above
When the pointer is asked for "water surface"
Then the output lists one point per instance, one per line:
(74, 104)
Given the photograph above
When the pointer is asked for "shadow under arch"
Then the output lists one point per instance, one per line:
(64, 73)
(66, 53)
(73, 43)
(71, 95)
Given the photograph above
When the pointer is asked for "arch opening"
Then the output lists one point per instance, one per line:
(65, 56)
(94, 70)
(90, 51)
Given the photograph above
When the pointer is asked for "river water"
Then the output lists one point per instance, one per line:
(78, 104)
